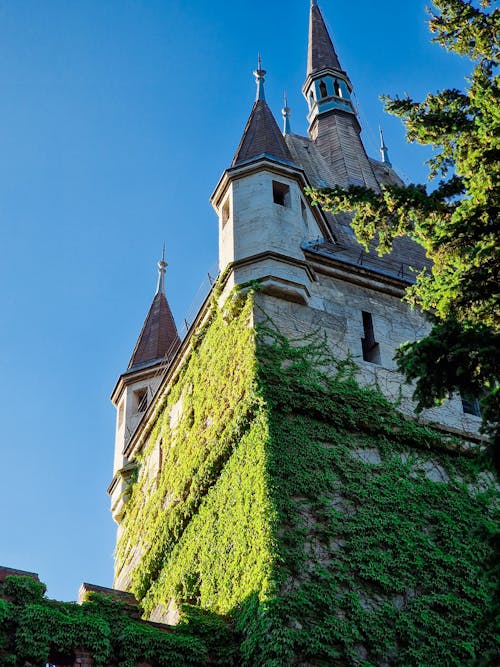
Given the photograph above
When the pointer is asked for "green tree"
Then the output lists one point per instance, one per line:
(456, 222)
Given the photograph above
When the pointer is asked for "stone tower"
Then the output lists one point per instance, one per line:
(157, 343)
(277, 477)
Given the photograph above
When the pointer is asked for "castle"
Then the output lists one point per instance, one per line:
(268, 467)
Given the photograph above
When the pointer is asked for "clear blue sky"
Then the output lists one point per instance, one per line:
(117, 118)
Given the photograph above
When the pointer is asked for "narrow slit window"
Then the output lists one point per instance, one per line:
(322, 89)
(121, 411)
(311, 101)
(337, 88)
(303, 210)
(371, 349)
(281, 194)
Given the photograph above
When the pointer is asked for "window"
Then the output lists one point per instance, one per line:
(311, 100)
(337, 88)
(141, 399)
(303, 210)
(322, 89)
(371, 349)
(225, 212)
(281, 194)
(121, 411)
(470, 405)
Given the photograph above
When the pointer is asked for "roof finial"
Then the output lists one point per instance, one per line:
(162, 267)
(286, 112)
(384, 151)
(260, 74)
(313, 3)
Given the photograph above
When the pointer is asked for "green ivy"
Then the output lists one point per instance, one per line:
(34, 629)
(293, 517)
(267, 510)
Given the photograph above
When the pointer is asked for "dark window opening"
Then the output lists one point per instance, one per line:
(281, 194)
(303, 210)
(371, 349)
(322, 89)
(470, 405)
(141, 399)
(311, 100)
(337, 88)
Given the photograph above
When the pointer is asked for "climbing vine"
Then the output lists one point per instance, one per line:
(35, 630)
(289, 516)
(329, 526)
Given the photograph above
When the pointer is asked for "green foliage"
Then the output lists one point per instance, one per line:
(318, 555)
(293, 517)
(208, 412)
(377, 562)
(36, 631)
(457, 223)
(23, 590)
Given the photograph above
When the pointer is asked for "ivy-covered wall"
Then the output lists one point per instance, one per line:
(308, 509)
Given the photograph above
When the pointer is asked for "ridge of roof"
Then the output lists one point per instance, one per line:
(261, 136)
(321, 52)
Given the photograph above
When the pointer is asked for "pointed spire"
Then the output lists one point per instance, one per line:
(261, 136)
(286, 112)
(260, 75)
(158, 338)
(162, 267)
(384, 151)
(321, 53)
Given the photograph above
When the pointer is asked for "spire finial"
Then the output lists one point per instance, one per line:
(260, 74)
(286, 112)
(384, 151)
(162, 267)
(313, 3)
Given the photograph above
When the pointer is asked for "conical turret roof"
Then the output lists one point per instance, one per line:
(321, 53)
(261, 136)
(158, 338)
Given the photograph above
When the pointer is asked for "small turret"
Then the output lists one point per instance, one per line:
(264, 217)
(156, 345)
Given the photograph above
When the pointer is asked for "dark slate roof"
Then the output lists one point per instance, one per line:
(321, 53)
(406, 253)
(261, 136)
(158, 337)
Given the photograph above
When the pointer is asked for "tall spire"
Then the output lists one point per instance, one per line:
(262, 136)
(158, 338)
(333, 123)
(321, 53)
(384, 151)
(285, 112)
(260, 74)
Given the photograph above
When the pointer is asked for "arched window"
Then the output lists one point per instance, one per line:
(337, 88)
(322, 89)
